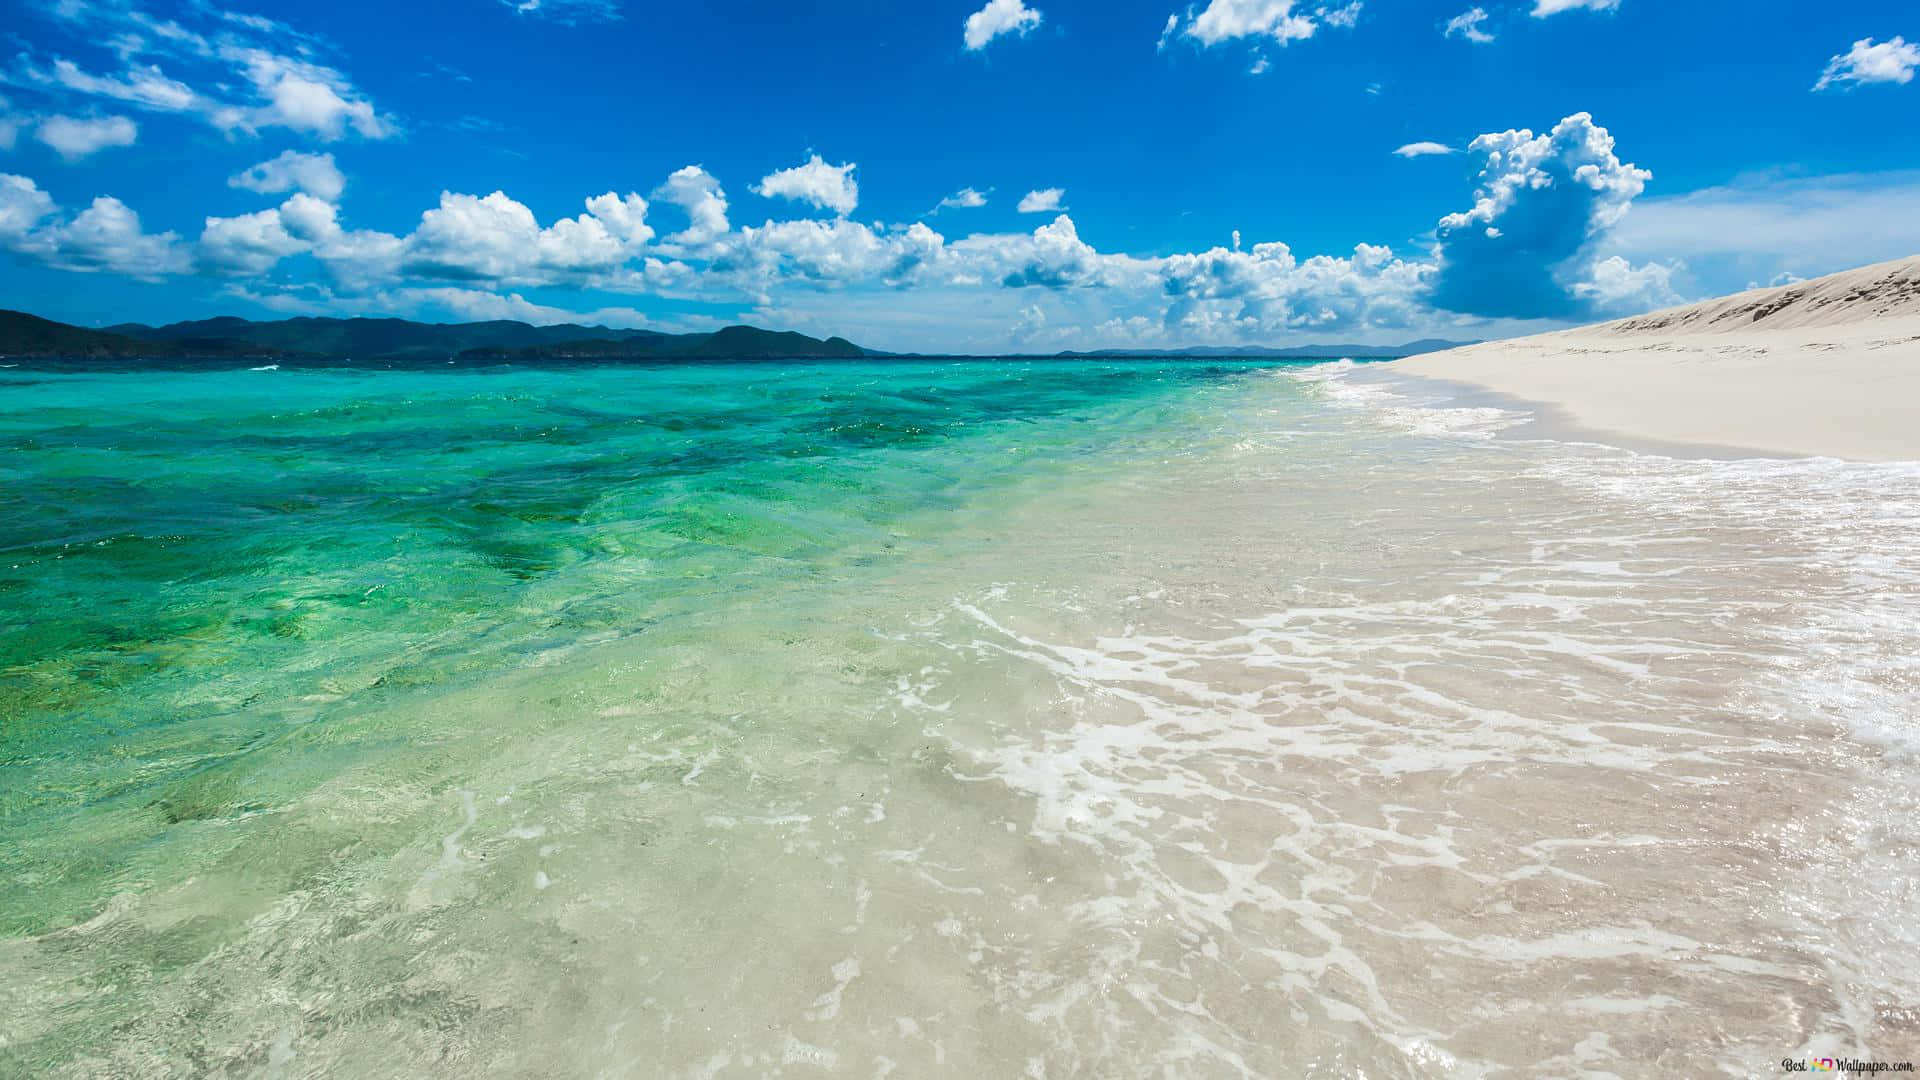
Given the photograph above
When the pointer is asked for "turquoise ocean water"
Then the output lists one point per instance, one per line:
(1005, 718)
(199, 571)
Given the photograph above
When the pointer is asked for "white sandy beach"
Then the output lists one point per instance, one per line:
(1827, 368)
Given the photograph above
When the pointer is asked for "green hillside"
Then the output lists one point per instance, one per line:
(337, 341)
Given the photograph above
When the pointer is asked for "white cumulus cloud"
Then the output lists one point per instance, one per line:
(302, 96)
(74, 138)
(828, 255)
(1424, 149)
(1044, 201)
(997, 18)
(23, 206)
(106, 236)
(1615, 286)
(699, 194)
(625, 216)
(1888, 62)
(1051, 257)
(828, 187)
(1526, 248)
(1268, 291)
(315, 174)
(248, 244)
(495, 238)
(491, 239)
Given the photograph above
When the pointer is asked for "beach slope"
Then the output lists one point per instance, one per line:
(1826, 368)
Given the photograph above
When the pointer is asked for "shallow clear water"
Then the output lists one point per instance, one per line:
(1043, 719)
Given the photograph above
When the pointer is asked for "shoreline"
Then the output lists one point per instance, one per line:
(1545, 420)
(1817, 369)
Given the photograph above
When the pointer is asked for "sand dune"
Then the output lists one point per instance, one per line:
(1829, 367)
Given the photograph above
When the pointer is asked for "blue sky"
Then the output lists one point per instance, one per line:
(1031, 174)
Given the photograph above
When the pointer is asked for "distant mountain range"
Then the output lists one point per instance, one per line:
(398, 341)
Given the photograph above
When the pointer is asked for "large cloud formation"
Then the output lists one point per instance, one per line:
(1530, 247)
(1525, 249)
